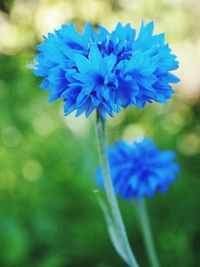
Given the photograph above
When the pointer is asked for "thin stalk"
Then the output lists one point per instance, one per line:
(117, 218)
(147, 233)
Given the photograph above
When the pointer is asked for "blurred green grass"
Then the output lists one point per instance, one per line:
(49, 215)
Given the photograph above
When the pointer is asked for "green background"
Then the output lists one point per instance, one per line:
(49, 214)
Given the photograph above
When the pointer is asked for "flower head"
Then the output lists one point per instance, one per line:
(139, 169)
(105, 70)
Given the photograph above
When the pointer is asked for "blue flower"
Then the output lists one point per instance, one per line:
(139, 169)
(105, 70)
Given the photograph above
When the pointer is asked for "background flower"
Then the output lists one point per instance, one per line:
(140, 169)
(106, 70)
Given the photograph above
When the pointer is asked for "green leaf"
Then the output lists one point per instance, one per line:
(112, 230)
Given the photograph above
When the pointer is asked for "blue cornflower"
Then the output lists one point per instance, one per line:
(139, 169)
(105, 70)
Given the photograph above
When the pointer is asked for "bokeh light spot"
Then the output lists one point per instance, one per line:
(189, 144)
(11, 136)
(80, 127)
(133, 132)
(32, 170)
(44, 125)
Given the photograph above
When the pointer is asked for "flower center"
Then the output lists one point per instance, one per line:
(99, 79)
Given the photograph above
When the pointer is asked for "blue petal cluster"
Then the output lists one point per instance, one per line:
(105, 70)
(139, 169)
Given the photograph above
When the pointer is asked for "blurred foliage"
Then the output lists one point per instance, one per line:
(49, 214)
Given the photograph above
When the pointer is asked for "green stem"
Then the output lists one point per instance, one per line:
(147, 233)
(117, 218)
